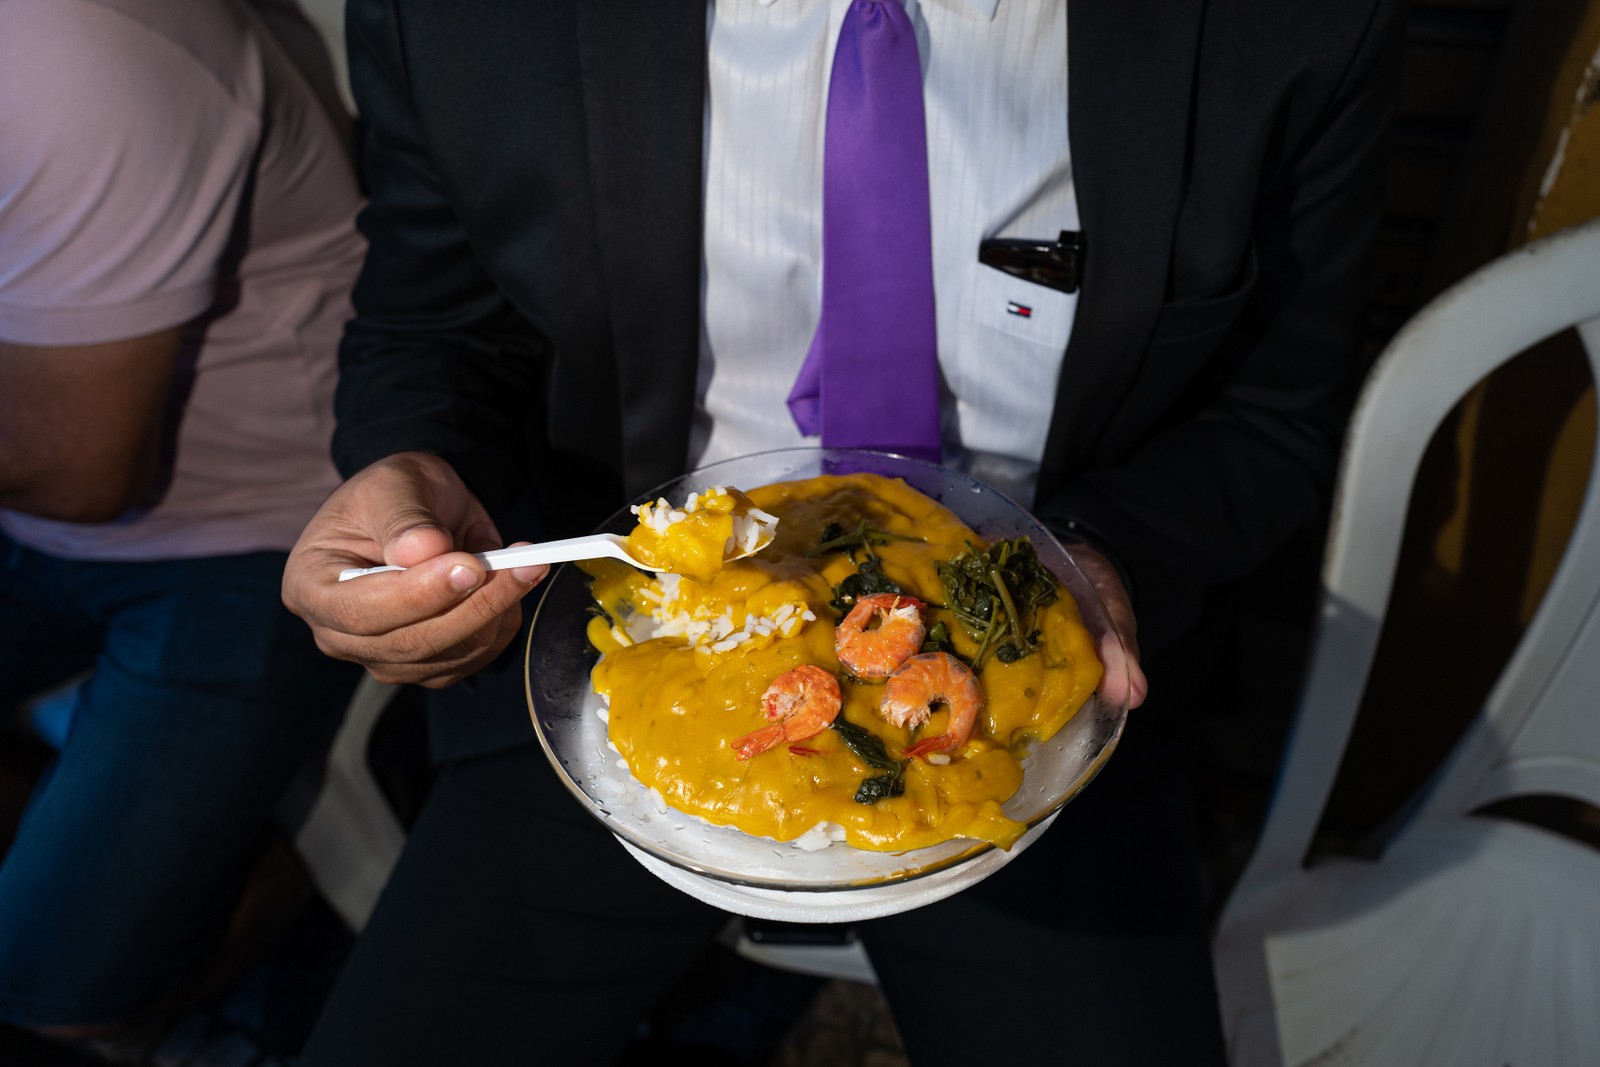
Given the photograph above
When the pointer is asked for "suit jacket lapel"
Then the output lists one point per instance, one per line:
(644, 104)
(1131, 76)
(1130, 69)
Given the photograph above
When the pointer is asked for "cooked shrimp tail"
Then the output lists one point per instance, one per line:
(925, 682)
(881, 632)
(800, 703)
(930, 746)
(758, 741)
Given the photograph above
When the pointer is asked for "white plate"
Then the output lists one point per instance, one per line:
(770, 879)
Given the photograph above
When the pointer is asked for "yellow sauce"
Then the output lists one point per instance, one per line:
(675, 706)
(696, 543)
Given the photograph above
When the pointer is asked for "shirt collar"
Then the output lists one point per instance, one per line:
(983, 9)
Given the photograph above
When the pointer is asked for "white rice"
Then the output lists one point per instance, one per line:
(717, 634)
(658, 516)
(819, 837)
(750, 528)
(661, 514)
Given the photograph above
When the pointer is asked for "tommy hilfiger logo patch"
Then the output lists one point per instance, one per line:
(1021, 311)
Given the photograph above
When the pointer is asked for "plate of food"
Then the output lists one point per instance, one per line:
(882, 706)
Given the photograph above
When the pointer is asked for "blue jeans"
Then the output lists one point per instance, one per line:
(206, 698)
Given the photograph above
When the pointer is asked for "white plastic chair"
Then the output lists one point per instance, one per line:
(844, 959)
(1472, 940)
(350, 838)
(348, 835)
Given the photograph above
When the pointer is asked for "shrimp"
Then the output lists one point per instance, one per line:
(800, 703)
(924, 681)
(873, 652)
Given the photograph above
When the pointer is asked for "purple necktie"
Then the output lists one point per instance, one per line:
(871, 378)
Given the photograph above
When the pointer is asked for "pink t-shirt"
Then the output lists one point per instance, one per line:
(162, 162)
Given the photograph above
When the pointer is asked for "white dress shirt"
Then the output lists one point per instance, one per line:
(995, 93)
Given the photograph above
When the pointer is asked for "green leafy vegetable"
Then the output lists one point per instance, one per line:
(867, 580)
(938, 639)
(880, 787)
(996, 594)
(868, 748)
(836, 539)
(869, 577)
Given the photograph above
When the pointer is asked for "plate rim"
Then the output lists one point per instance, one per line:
(976, 847)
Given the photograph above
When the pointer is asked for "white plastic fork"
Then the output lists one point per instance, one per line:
(589, 546)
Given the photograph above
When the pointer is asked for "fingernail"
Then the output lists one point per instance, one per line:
(463, 579)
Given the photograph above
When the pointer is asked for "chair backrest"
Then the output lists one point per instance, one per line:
(345, 831)
(1539, 730)
(328, 17)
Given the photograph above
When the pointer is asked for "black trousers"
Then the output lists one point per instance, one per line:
(516, 930)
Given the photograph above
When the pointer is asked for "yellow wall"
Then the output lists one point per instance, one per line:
(1568, 192)
(1538, 415)
(1474, 566)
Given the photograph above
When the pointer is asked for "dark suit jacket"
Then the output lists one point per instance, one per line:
(530, 306)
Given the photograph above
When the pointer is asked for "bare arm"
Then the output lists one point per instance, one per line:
(80, 425)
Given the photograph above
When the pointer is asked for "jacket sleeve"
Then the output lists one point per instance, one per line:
(436, 360)
(1211, 496)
